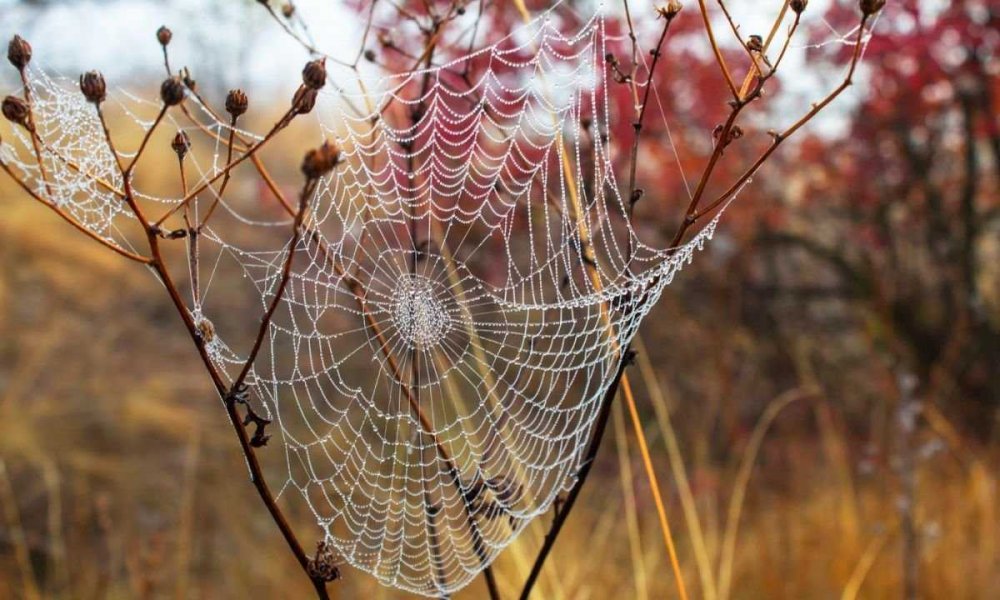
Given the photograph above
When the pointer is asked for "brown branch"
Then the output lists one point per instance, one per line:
(309, 47)
(743, 98)
(127, 173)
(777, 138)
(364, 36)
(33, 131)
(784, 46)
(634, 43)
(752, 54)
(716, 51)
(246, 444)
(767, 44)
(638, 123)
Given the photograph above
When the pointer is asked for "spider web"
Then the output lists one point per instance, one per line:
(457, 305)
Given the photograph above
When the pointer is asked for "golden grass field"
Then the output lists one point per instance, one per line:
(120, 479)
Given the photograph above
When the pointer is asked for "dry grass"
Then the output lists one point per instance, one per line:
(774, 462)
(120, 486)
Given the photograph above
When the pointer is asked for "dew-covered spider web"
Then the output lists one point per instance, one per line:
(458, 301)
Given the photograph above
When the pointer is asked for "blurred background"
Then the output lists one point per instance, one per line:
(821, 388)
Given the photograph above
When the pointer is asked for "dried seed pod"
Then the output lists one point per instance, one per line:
(370, 55)
(236, 103)
(870, 7)
(670, 9)
(304, 100)
(314, 73)
(164, 35)
(288, 9)
(320, 161)
(798, 6)
(19, 52)
(755, 43)
(181, 144)
(323, 567)
(17, 111)
(172, 91)
(94, 88)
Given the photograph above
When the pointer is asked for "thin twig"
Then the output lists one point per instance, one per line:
(33, 131)
(777, 138)
(145, 140)
(637, 125)
(717, 51)
(253, 463)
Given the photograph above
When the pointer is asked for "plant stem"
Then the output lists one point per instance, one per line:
(562, 514)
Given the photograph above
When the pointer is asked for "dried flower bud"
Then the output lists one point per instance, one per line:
(236, 103)
(324, 566)
(320, 161)
(288, 10)
(870, 7)
(670, 9)
(314, 73)
(164, 35)
(181, 144)
(798, 6)
(93, 87)
(304, 100)
(19, 52)
(17, 111)
(755, 43)
(172, 91)
(370, 55)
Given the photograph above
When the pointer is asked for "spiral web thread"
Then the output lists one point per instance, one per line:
(456, 308)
